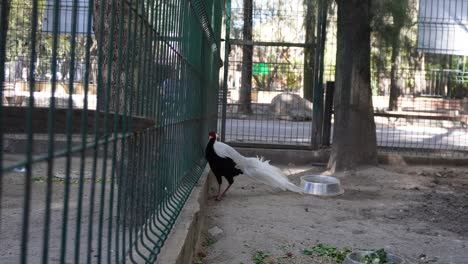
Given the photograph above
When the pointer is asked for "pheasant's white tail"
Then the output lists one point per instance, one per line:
(260, 170)
(257, 168)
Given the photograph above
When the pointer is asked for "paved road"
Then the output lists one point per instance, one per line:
(427, 135)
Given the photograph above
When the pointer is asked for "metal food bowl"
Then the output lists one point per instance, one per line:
(356, 256)
(321, 185)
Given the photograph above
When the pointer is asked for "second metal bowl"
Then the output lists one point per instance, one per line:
(356, 256)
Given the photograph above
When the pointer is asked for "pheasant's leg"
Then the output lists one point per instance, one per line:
(221, 196)
(219, 191)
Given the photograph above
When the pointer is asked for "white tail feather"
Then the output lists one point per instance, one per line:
(257, 168)
(260, 170)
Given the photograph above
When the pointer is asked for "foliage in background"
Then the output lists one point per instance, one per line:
(19, 43)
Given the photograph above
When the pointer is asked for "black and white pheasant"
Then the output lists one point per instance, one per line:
(228, 163)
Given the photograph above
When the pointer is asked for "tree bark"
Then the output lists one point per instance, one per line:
(247, 54)
(354, 138)
(309, 51)
(419, 73)
(395, 85)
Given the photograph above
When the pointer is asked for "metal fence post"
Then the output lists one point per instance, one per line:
(317, 115)
(226, 70)
(327, 115)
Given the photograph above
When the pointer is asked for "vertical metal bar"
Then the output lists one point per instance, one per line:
(227, 47)
(5, 12)
(160, 130)
(317, 115)
(63, 252)
(126, 141)
(136, 138)
(96, 134)
(165, 115)
(30, 138)
(133, 172)
(328, 113)
(84, 133)
(144, 31)
(116, 149)
(107, 94)
(152, 71)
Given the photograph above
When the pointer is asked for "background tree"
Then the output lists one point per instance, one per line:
(354, 136)
(264, 81)
(247, 56)
(18, 39)
(391, 17)
(19, 34)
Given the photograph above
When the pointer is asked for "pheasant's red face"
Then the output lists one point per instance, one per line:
(212, 134)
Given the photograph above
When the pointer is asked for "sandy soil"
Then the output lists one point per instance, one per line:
(12, 214)
(420, 213)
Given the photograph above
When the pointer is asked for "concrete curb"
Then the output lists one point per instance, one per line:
(180, 247)
(287, 156)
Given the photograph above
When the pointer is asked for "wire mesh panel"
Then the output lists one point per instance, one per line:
(418, 75)
(103, 119)
(278, 113)
(269, 78)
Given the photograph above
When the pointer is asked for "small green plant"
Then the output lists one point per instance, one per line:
(327, 251)
(209, 242)
(377, 257)
(198, 261)
(260, 257)
(38, 179)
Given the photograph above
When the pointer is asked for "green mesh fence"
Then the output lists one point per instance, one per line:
(280, 59)
(103, 121)
(273, 68)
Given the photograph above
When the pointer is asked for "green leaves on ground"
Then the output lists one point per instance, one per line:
(260, 257)
(327, 251)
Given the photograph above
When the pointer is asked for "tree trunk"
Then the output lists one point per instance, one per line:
(395, 85)
(419, 73)
(247, 54)
(448, 77)
(380, 68)
(441, 81)
(309, 51)
(354, 139)
(4, 14)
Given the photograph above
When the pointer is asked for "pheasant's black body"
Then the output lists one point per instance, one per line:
(221, 166)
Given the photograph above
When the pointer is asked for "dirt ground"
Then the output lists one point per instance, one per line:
(12, 213)
(417, 212)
